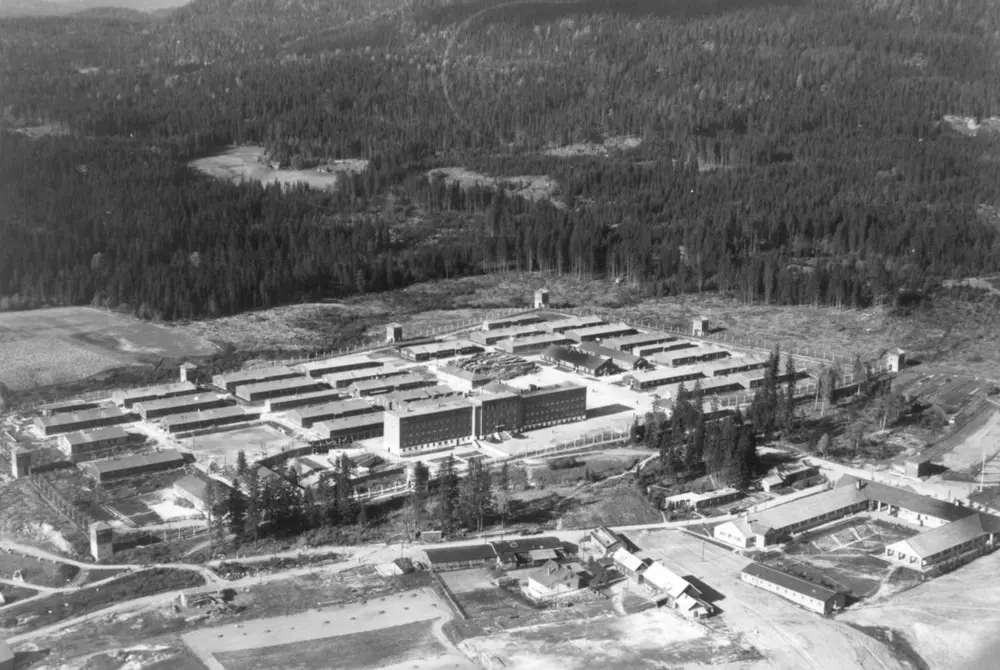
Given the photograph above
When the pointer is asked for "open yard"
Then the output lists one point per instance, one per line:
(619, 506)
(464, 581)
(952, 621)
(789, 637)
(52, 346)
(401, 631)
(224, 445)
(245, 163)
(648, 640)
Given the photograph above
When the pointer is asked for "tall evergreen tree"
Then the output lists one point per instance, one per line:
(447, 497)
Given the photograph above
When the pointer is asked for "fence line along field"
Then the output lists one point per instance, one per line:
(397, 631)
(53, 346)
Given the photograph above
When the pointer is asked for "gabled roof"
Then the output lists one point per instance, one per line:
(944, 537)
(98, 435)
(787, 581)
(575, 357)
(740, 526)
(628, 560)
(907, 499)
(474, 552)
(552, 573)
(525, 545)
(665, 580)
(198, 486)
(607, 352)
(811, 507)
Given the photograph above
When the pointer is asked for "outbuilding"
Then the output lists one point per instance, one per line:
(459, 558)
(811, 596)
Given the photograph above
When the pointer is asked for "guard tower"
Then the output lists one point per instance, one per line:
(189, 372)
(20, 462)
(895, 360)
(393, 333)
(541, 298)
(101, 540)
(699, 326)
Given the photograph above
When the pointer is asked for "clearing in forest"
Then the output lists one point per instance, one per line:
(248, 163)
(529, 187)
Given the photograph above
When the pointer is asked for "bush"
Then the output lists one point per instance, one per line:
(565, 463)
(68, 572)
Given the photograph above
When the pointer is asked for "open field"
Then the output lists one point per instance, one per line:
(398, 631)
(52, 346)
(651, 639)
(609, 145)
(952, 621)
(529, 187)
(789, 637)
(36, 571)
(465, 581)
(621, 506)
(245, 163)
(224, 445)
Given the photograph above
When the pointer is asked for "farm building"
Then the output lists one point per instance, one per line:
(195, 489)
(371, 387)
(230, 380)
(495, 413)
(678, 593)
(352, 428)
(305, 417)
(913, 467)
(628, 563)
(261, 391)
(527, 551)
(463, 380)
(88, 445)
(811, 596)
(133, 466)
(578, 361)
(87, 420)
(522, 319)
(210, 418)
(786, 475)
(459, 558)
(605, 332)
(630, 343)
(533, 343)
(342, 380)
(333, 365)
(697, 501)
(543, 406)
(491, 337)
(127, 398)
(573, 323)
(622, 359)
(429, 425)
(302, 400)
(737, 533)
(947, 546)
(649, 379)
(154, 409)
(399, 398)
(444, 349)
(600, 543)
(552, 580)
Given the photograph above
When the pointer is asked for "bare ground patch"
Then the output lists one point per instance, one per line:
(529, 187)
(247, 163)
(609, 145)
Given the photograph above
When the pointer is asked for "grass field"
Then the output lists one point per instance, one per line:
(398, 631)
(36, 571)
(52, 346)
(226, 444)
(243, 163)
(464, 581)
(621, 506)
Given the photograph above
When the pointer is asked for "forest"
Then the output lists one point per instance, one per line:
(783, 152)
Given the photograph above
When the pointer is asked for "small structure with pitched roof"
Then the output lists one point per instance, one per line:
(811, 596)
(552, 580)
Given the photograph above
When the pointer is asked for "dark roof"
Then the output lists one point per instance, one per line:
(527, 544)
(139, 460)
(97, 435)
(574, 357)
(787, 581)
(474, 552)
(909, 500)
(614, 354)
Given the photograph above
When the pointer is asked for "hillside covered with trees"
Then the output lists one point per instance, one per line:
(788, 152)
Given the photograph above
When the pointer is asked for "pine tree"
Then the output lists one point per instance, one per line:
(237, 505)
(418, 493)
(447, 495)
(241, 463)
(253, 517)
(502, 492)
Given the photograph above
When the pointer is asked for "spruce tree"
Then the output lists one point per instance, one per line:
(447, 495)
(241, 463)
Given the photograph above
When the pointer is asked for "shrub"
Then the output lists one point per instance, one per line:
(565, 463)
